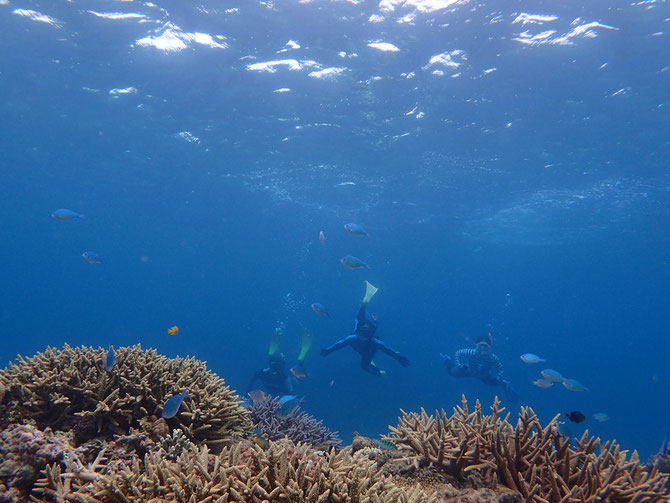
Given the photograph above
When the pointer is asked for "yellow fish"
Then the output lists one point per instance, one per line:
(173, 330)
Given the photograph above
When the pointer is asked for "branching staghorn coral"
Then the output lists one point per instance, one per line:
(529, 458)
(242, 473)
(55, 387)
(297, 426)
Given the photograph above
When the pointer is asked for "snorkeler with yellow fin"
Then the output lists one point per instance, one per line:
(364, 340)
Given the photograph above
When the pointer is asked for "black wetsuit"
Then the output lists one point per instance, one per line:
(273, 382)
(364, 342)
(483, 366)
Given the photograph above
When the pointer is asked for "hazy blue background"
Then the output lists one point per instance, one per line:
(517, 183)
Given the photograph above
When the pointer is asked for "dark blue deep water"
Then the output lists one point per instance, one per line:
(509, 159)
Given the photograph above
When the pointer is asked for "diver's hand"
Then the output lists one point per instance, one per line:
(404, 361)
(323, 352)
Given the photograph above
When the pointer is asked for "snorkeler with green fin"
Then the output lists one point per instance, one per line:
(364, 340)
(275, 379)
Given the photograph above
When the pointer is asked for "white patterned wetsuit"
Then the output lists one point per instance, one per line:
(471, 363)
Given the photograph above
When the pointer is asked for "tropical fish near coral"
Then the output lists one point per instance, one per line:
(353, 262)
(173, 330)
(92, 257)
(356, 230)
(288, 403)
(575, 416)
(172, 405)
(258, 395)
(601, 417)
(110, 359)
(299, 371)
(63, 215)
(574, 385)
(322, 239)
(543, 383)
(320, 309)
(531, 358)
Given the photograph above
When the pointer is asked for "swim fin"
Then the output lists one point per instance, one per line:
(370, 291)
(275, 341)
(306, 345)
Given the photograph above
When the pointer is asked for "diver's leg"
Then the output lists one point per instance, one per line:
(368, 366)
(379, 344)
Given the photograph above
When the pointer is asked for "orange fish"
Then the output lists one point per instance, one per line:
(322, 238)
(299, 371)
(173, 330)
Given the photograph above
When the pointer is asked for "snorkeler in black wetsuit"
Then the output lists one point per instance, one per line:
(364, 342)
(275, 379)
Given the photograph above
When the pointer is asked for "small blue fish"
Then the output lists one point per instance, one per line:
(563, 430)
(63, 215)
(171, 407)
(288, 403)
(356, 230)
(574, 385)
(531, 358)
(601, 417)
(552, 375)
(385, 445)
(353, 262)
(92, 257)
(110, 359)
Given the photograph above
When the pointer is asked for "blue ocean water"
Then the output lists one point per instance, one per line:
(509, 159)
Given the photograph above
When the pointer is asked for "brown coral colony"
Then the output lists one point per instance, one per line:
(73, 431)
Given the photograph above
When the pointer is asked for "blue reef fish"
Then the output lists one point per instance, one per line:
(356, 230)
(543, 383)
(288, 403)
(319, 308)
(574, 385)
(531, 358)
(563, 430)
(63, 215)
(552, 375)
(172, 405)
(110, 359)
(353, 262)
(601, 417)
(92, 257)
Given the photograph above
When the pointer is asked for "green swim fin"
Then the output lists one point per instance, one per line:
(307, 339)
(370, 291)
(275, 341)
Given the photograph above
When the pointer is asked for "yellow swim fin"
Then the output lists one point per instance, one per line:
(307, 339)
(370, 291)
(275, 341)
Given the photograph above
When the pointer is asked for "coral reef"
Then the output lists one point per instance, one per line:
(70, 389)
(661, 461)
(297, 426)
(528, 458)
(242, 473)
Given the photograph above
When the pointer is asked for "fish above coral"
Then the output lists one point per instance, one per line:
(356, 230)
(172, 405)
(91, 257)
(574, 385)
(173, 330)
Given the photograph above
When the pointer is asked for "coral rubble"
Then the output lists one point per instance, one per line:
(297, 426)
(70, 389)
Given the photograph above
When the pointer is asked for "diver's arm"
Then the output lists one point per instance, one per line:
(498, 369)
(379, 344)
(462, 357)
(338, 345)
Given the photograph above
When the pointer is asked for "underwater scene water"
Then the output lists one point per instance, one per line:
(507, 163)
